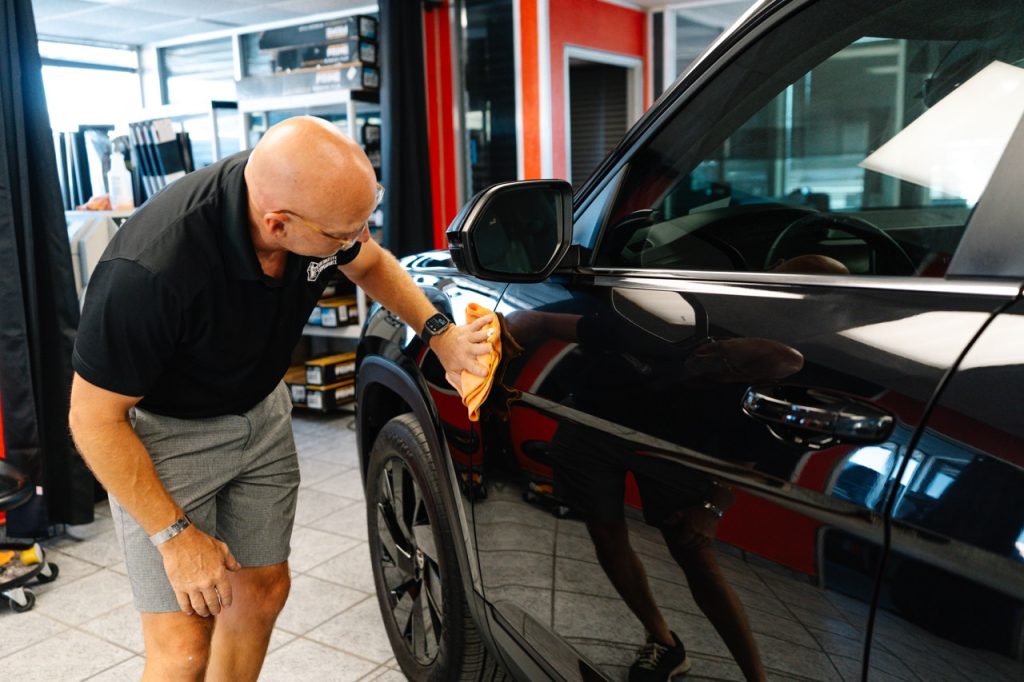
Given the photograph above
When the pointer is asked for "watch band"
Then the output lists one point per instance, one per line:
(170, 531)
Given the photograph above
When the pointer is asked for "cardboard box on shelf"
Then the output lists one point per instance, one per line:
(319, 32)
(330, 369)
(326, 398)
(336, 312)
(356, 77)
(346, 52)
(371, 136)
(295, 380)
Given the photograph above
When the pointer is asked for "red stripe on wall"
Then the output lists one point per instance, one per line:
(437, 47)
(531, 89)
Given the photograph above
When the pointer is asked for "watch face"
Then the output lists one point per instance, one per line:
(437, 323)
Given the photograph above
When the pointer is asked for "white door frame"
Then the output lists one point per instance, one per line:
(634, 88)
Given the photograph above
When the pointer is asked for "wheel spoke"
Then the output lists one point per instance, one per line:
(392, 540)
(432, 591)
(421, 630)
(399, 501)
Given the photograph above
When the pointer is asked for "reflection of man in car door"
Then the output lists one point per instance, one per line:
(591, 468)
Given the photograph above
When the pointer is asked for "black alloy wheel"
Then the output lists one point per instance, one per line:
(415, 569)
(408, 560)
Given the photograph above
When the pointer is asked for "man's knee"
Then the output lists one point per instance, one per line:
(262, 591)
(275, 592)
(177, 646)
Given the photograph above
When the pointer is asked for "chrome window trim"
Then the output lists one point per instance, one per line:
(647, 278)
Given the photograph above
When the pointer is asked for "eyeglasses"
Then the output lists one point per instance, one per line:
(344, 243)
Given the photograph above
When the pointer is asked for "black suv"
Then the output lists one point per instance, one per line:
(762, 387)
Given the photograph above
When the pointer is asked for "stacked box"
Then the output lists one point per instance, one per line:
(335, 312)
(295, 380)
(371, 144)
(315, 79)
(346, 52)
(330, 369)
(319, 33)
(371, 136)
(326, 398)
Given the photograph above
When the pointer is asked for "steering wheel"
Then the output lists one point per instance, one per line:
(807, 232)
(621, 234)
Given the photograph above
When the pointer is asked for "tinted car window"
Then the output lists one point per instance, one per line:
(859, 148)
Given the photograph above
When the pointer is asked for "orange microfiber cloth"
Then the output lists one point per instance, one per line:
(475, 389)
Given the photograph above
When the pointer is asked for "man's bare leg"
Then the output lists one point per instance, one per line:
(241, 632)
(626, 573)
(177, 646)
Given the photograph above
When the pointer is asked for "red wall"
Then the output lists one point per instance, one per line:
(607, 27)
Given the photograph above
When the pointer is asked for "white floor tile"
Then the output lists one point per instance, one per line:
(21, 630)
(127, 671)
(311, 547)
(302, 659)
(122, 626)
(102, 549)
(69, 568)
(278, 638)
(83, 600)
(312, 602)
(314, 471)
(358, 630)
(349, 521)
(351, 568)
(315, 504)
(69, 656)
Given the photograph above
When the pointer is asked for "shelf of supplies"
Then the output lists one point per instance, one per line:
(308, 100)
(347, 332)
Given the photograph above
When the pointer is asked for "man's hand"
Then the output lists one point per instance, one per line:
(197, 567)
(459, 347)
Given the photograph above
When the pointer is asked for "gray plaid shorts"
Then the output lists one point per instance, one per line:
(237, 478)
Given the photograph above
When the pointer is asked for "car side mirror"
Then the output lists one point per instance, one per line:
(513, 231)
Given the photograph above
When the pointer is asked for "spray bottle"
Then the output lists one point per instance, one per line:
(119, 182)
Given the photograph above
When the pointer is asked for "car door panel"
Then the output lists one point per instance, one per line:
(798, 547)
(951, 599)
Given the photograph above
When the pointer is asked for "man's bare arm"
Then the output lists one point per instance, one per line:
(381, 276)
(195, 562)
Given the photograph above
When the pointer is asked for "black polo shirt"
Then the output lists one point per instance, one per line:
(179, 311)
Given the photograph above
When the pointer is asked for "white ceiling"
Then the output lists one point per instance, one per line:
(136, 22)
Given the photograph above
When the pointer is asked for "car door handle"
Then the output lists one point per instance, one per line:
(816, 417)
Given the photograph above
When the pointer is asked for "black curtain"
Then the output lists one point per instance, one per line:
(408, 219)
(38, 303)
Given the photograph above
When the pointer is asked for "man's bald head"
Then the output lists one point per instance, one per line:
(307, 166)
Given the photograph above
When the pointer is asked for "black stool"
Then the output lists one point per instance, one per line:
(28, 561)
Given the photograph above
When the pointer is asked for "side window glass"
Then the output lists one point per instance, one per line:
(866, 158)
(584, 229)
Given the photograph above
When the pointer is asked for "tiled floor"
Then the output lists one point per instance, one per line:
(83, 626)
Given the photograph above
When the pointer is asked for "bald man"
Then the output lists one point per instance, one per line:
(177, 403)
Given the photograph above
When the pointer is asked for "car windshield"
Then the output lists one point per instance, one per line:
(895, 116)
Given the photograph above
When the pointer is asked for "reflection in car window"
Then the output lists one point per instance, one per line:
(861, 153)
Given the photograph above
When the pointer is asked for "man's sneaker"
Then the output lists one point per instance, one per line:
(656, 662)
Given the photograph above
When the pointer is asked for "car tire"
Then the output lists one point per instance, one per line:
(415, 570)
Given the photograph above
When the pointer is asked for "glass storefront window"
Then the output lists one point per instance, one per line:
(84, 96)
(198, 72)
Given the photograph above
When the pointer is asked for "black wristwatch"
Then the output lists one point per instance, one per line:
(436, 324)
